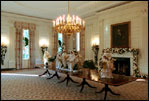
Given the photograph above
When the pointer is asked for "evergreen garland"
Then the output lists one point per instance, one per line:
(135, 53)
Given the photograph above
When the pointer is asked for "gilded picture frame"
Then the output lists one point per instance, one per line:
(120, 35)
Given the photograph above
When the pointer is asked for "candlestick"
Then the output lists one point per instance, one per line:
(83, 23)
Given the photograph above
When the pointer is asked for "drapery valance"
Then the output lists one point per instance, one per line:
(25, 25)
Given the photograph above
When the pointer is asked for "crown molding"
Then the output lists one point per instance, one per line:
(96, 7)
(26, 16)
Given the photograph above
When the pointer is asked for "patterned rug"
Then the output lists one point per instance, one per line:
(26, 85)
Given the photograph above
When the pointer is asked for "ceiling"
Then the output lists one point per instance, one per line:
(52, 9)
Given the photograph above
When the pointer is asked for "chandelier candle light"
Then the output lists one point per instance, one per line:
(68, 25)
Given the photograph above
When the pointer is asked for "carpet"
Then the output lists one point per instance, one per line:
(26, 85)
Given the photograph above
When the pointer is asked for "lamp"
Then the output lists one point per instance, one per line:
(4, 44)
(68, 25)
(44, 45)
(95, 49)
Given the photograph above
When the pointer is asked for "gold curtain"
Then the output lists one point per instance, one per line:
(55, 37)
(65, 38)
(18, 47)
(74, 41)
(32, 29)
(82, 43)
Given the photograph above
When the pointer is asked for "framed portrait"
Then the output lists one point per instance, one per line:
(120, 35)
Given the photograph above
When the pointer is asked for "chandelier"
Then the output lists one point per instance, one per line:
(68, 25)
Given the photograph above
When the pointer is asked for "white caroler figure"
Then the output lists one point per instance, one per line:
(107, 63)
(58, 60)
(64, 58)
(71, 59)
(46, 56)
(78, 60)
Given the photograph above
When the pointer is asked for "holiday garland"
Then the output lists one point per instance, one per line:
(3, 53)
(135, 53)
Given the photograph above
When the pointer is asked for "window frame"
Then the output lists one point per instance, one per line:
(25, 58)
(60, 48)
(78, 44)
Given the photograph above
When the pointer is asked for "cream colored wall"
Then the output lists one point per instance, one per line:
(43, 31)
(99, 26)
(91, 33)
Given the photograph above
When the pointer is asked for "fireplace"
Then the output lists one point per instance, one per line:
(131, 56)
(122, 66)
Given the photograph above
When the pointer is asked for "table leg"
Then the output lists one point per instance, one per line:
(106, 89)
(72, 80)
(90, 85)
(83, 83)
(81, 88)
(47, 71)
(55, 74)
(113, 92)
(67, 82)
(103, 89)
(62, 80)
(105, 94)
(68, 78)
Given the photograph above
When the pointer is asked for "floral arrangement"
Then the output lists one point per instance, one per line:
(51, 59)
(25, 39)
(3, 53)
(43, 49)
(135, 53)
(89, 64)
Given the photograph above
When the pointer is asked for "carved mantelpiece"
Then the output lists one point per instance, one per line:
(126, 53)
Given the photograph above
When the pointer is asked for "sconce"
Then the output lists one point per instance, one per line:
(44, 45)
(3, 49)
(95, 49)
(43, 49)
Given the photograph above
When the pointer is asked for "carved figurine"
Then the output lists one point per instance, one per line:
(107, 66)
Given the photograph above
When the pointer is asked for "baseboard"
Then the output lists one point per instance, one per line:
(6, 69)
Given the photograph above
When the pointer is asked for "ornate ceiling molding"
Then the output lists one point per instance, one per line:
(83, 9)
(98, 6)
(14, 15)
(32, 8)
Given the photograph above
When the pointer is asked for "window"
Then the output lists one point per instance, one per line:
(25, 44)
(78, 41)
(60, 38)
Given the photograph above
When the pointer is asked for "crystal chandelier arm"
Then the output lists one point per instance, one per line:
(68, 24)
